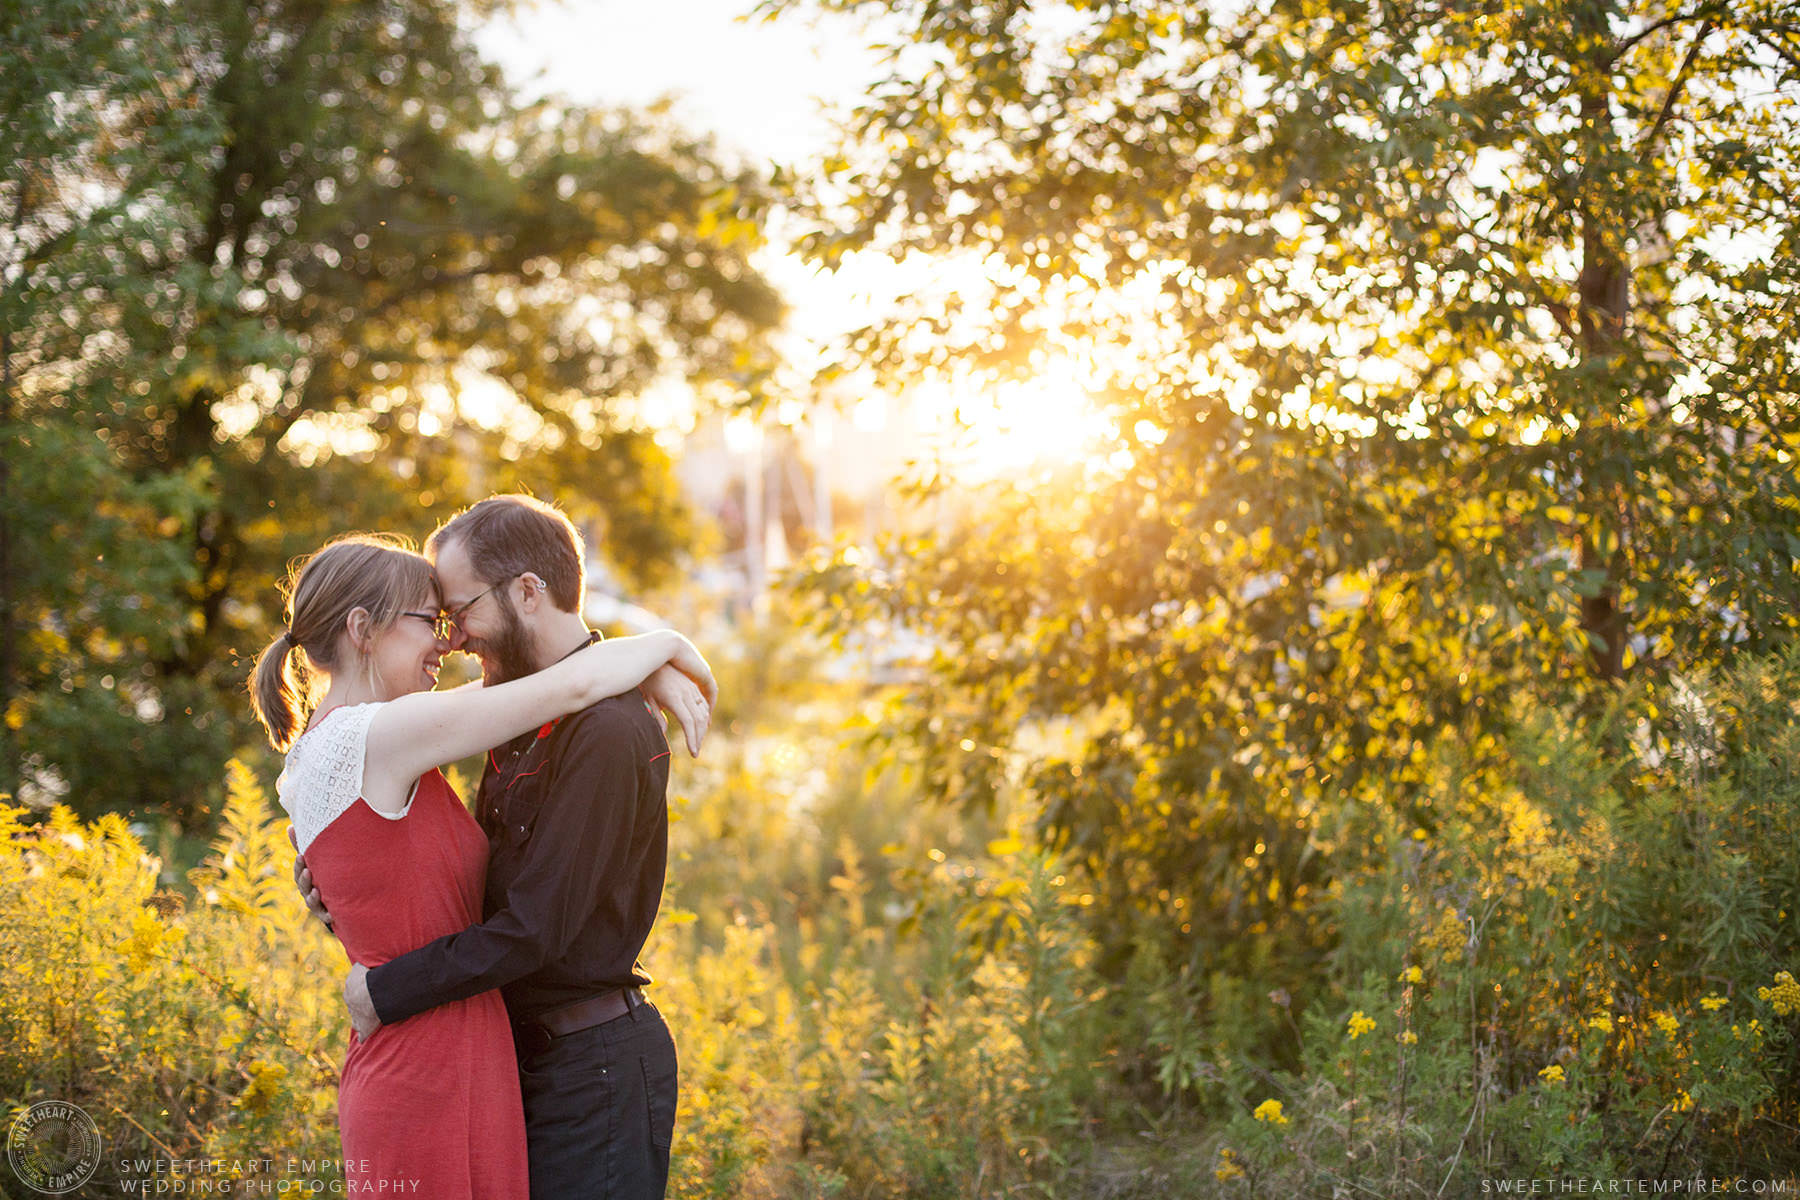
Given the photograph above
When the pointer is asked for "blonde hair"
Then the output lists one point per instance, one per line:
(379, 572)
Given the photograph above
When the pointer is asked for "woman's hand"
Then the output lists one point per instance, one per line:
(682, 699)
(689, 662)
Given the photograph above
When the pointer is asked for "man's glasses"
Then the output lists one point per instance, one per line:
(454, 617)
(441, 624)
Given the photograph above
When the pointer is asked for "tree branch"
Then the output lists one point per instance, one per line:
(1787, 55)
(1675, 87)
(1625, 46)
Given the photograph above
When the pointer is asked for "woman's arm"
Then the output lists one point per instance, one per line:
(422, 730)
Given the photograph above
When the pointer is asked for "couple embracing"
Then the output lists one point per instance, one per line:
(502, 1047)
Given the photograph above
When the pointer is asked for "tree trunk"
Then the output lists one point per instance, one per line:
(1604, 287)
(8, 661)
(8, 618)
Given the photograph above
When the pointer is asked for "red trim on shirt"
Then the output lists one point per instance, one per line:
(544, 731)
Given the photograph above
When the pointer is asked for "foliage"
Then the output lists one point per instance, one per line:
(1584, 967)
(104, 166)
(274, 271)
(198, 1030)
(1570, 978)
(972, 1069)
(1449, 350)
(735, 1027)
(209, 1029)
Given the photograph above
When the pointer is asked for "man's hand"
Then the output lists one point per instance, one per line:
(682, 699)
(363, 1017)
(304, 881)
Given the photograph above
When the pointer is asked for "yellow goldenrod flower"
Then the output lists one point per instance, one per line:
(1270, 1111)
(1409, 1038)
(147, 940)
(1412, 975)
(265, 1085)
(1712, 1003)
(1359, 1024)
(1682, 1102)
(1551, 1074)
(1602, 1022)
(1228, 1168)
(1785, 995)
(1667, 1023)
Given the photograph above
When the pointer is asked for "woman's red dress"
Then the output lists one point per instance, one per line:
(428, 1107)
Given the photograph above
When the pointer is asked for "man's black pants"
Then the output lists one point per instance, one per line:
(600, 1110)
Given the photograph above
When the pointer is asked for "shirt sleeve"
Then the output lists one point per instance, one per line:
(581, 840)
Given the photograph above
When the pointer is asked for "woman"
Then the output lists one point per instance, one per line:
(429, 1107)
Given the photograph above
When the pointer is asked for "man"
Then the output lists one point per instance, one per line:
(577, 826)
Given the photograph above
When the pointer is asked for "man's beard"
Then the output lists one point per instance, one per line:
(507, 655)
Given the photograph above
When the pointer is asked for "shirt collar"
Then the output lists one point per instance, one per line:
(592, 637)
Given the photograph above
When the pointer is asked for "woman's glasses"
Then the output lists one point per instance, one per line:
(441, 624)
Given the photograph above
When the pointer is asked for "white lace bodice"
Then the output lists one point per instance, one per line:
(324, 772)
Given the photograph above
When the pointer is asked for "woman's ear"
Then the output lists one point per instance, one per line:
(359, 626)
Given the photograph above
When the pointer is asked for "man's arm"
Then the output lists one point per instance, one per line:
(581, 840)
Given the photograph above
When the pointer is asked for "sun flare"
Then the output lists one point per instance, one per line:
(1013, 428)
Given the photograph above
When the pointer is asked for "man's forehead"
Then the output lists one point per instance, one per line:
(455, 575)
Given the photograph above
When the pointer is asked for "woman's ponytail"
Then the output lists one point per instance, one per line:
(275, 692)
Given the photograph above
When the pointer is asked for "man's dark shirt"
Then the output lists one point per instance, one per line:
(578, 837)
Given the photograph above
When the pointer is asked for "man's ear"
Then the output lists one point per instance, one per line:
(532, 592)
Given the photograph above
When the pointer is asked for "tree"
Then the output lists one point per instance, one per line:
(338, 224)
(103, 160)
(1452, 349)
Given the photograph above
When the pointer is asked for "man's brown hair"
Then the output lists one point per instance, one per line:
(506, 536)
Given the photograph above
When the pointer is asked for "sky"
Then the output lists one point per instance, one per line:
(766, 91)
(757, 85)
(762, 88)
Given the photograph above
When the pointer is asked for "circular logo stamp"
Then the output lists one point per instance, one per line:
(53, 1147)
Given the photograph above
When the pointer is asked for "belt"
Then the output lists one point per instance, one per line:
(536, 1034)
